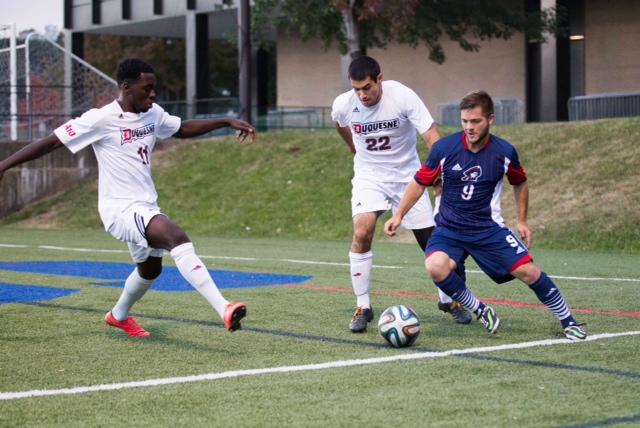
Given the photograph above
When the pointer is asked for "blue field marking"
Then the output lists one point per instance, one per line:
(15, 293)
(170, 280)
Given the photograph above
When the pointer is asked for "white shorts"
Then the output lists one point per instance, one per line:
(130, 227)
(374, 196)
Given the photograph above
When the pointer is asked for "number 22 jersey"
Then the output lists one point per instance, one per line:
(384, 135)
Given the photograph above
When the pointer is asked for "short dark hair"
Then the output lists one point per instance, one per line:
(475, 99)
(363, 67)
(131, 68)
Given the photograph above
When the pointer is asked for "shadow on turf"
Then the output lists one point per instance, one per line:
(325, 339)
(606, 422)
(271, 332)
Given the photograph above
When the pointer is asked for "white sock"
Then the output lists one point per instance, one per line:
(361, 264)
(134, 288)
(443, 297)
(196, 274)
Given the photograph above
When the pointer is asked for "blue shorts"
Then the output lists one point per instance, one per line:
(497, 251)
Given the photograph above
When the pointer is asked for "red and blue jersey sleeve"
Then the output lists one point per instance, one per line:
(515, 172)
(431, 169)
(427, 176)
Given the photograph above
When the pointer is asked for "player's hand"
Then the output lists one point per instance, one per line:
(392, 225)
(525, 234)
(244, 130)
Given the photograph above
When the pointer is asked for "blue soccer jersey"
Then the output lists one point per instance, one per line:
(472, 182)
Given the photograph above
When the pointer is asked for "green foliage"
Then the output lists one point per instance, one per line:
(410, 22)
(166, 55)
(582, 179)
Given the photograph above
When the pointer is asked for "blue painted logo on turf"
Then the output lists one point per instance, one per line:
(114, 275)
(15, 293)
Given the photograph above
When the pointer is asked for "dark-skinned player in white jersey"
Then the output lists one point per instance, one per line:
(123, 135)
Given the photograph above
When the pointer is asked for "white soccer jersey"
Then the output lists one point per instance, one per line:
(123, 143)
(384, 135)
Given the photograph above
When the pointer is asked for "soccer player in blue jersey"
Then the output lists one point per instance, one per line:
(473, 163)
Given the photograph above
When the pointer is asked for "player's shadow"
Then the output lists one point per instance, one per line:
(161, 332)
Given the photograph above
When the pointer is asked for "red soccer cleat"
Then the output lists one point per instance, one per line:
(130, 326)
(233, 313)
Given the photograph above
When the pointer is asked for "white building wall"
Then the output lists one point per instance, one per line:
(310, 76)
(612, 46)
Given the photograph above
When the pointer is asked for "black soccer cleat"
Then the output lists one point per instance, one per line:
(458, 312)
(361, 317)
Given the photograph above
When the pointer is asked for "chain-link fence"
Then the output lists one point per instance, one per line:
(42, 85)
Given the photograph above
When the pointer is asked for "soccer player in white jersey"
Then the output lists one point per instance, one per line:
(378, 121)
(123, 135)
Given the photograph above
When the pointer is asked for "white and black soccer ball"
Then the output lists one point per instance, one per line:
(399, 325)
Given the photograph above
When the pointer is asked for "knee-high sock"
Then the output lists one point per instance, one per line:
(454, 287)
(361, 264)
(134, 288)
(550, 296)
(196, 274)
(443, 297)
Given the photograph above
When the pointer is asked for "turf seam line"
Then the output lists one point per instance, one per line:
(5, 396)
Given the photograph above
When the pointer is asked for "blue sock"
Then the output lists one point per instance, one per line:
(454, 287)
(550, 296)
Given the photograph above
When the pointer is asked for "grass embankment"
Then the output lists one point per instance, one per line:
(583, 179)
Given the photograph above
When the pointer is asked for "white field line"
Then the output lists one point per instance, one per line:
(80, 250)
(310, 262)
(5, 396)
(251, 259)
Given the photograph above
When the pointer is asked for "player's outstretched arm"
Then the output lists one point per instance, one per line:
(431, 136)
(521, 194)
(31, 151)
(196, 127)
(412, 193)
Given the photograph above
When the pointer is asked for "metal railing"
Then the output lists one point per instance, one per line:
(506, 111)
(601, 106)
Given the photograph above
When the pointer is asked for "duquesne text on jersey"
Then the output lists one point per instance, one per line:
(369, 127)
(129, 135)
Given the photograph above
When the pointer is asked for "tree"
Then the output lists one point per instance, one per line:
(355, 25)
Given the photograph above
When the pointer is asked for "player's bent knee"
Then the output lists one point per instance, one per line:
(527, 273)
(151, 268)
(361, 241)
(438, 265)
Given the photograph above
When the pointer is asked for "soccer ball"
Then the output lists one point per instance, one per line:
(399, 325)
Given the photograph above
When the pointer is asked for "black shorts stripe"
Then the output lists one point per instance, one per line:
(139, 220)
